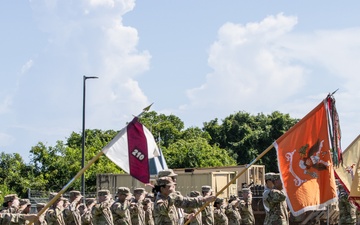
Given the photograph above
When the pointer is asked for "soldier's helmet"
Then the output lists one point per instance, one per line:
(276, 176)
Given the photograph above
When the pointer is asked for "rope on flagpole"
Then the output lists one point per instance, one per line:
(53, 200)
(234, 179)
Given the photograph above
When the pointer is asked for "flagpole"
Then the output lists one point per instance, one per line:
(234, 179)
(52, 201)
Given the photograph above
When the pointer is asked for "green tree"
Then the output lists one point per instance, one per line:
(245, 136)
(196, 153)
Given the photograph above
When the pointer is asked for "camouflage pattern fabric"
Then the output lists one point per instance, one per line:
(165, 207)
(101, 213)
(246, 212)
(220, 217)
(208, 215)
(137, 213)
(233, 213)
(72, 214)
(54, 216)
(198, 219)
(347, 210)
(121, 213)
(278, 213)
(149, 219)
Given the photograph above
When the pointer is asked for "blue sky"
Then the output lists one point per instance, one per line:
(198, 60)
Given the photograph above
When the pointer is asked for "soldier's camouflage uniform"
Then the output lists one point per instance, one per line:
(101, 213)
(148, 208)
(165, 207)
(278, 213)
(72, 214)
(220, 217)
(208, 213)
(54, 216)
(347, 210)
(233, 213)
(198, 219)
(121, 213)
(245, 208)
(137, 213)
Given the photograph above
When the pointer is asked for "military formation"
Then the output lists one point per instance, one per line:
(163, 206)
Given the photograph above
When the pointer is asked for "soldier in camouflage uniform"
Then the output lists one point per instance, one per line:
(54, 215)
(232, 211)
(11, 204)
(220, 217)
(198, 219)
(276, 199)
(41, 221)
(148, 209)
(208, 213)
(179, 212)
(136, 209)
(101, 213)
(25, 206)
(167, 200)
(120, 208)
(245, 205)
(347, 209)
(16, 218)
(71, 213)
(86, 216)
(268, 186)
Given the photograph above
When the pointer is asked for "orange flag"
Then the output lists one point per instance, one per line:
(305, 163)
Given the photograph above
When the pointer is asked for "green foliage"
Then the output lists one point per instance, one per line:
(237, 140)
(194, 153)
(245, 136)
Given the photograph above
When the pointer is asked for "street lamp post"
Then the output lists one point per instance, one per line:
(83, 137)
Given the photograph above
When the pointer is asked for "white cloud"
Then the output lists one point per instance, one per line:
(247, 67)
(27, 66)
(258, 67)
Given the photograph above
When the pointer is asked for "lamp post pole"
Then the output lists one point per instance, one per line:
(83, 137)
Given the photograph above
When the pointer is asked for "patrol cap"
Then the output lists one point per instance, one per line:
(89, 201)
(165, 181)
(25, 201)
(246, 190)
(104, 192)
(276, 176)
(139, 191)
(146, 201)
(219, 200)
(194, 194)
(167, 173)
(10, 198)
(74, 193)
(123, 191)
(269, 176)
(205, 188)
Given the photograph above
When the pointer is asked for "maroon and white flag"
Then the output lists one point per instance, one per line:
(131, 150)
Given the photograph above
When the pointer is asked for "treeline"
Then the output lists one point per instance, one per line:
(236, 140)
